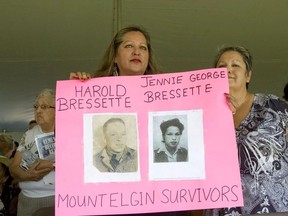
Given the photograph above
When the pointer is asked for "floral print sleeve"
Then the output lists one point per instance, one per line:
(263, 158)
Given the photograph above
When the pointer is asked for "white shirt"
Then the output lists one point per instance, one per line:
(35, 188)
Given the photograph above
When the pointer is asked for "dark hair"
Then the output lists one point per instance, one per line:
(285, 96)
(32, 122)
(244, 52)
(172, 122)
(112, 120)
(108, 59)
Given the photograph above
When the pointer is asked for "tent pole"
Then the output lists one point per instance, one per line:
(117, 16)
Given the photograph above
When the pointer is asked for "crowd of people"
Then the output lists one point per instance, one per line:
(30, 193)
(260, 122)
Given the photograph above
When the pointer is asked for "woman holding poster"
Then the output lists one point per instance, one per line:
(261, 124)
(130, 53)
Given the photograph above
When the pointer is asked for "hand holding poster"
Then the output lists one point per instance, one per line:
(142, 144)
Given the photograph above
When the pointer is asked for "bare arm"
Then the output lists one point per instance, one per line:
(36, 172)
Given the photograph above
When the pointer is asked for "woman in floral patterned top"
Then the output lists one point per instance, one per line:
(260, 122)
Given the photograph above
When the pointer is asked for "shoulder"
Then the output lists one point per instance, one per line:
(271, 101)
(267, 97)
(270, 106)
(34, 131)
(99, 154)
(159, 153)
(156, 150)
(131, 152)
(29, 138)
(183, 150)
(98, 159)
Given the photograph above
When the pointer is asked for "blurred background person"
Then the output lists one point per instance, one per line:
(6, 145)
(35, 192)
(32, 124)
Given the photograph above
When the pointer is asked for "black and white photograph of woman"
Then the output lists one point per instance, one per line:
(176, 143)
(170, 149)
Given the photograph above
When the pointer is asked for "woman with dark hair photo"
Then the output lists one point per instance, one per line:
(170, 150)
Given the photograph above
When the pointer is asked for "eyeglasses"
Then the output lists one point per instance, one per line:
(43, 106)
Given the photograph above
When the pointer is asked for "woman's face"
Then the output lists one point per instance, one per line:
(172, 137)
(132, 55)
(237, 73)
(45, 116)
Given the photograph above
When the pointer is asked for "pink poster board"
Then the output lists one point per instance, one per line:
(208, 179)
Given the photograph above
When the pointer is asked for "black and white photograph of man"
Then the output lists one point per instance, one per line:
(116, 156)
(111, 147)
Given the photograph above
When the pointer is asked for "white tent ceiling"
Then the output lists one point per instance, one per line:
(42, 41)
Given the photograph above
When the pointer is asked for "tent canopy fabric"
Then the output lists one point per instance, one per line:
(43, 41)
